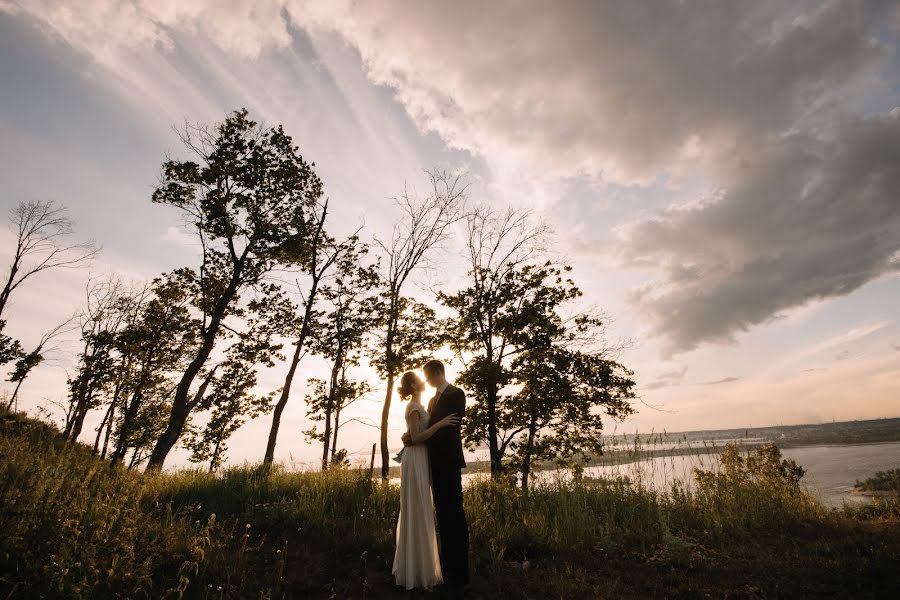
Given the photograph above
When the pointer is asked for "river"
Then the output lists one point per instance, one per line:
(831, 470)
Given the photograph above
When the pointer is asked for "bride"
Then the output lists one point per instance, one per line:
(416, 561)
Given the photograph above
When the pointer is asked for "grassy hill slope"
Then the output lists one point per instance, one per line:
(75, 528)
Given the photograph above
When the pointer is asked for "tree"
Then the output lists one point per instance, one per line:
(230, 399)
(556, 414)
(322, 254)
(27, 362)
(156, 344)
(10, 349)
(107, 307)
(353, 312)
(556, 376)
(43, 228)
(498, 242)
(424, 225)
(251, 199)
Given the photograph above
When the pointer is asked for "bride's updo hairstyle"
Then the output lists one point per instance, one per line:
(409, 383)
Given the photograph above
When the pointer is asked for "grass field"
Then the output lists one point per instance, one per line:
(75, 528)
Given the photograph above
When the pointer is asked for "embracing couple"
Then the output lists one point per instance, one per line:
(431, 487)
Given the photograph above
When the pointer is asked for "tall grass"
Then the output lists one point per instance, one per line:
(74, 527)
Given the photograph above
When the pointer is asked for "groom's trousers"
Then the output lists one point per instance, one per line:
(452, 527)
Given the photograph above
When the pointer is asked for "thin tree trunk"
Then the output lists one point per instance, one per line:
(526, 459)
(269, 457)
(317, 275)
(15, 396)
(80, 414)
(106, 441)
(215, 456)
(7, 288)
(386, 409)
(330, 407)
(104, 423)
(493, 449)
(337, 425)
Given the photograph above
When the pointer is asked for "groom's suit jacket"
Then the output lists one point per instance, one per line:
(445, 446)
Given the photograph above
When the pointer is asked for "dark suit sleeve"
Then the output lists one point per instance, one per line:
(445, 446)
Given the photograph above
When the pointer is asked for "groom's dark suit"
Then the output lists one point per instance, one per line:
(445, 453)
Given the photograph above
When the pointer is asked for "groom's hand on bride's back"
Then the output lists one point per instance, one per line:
(406, 439)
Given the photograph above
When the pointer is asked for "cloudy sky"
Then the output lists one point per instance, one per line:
(723, 175)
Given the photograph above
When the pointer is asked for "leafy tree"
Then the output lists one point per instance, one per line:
(231, 401)
(540, 381)
(109, 302)
(322, 254)
(251, 199)
(353, 313)
(488, 310)
(556, 414)
(423, 226)
(154, 347)
(10, 349)
(27, 362)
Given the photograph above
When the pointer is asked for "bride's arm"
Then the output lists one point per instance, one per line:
(417, 435)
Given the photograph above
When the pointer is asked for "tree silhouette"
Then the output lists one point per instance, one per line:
(352, 313)
(108, 304)
(43, 229)
(251, 200)
(154, 346)
(322, 254)
(424, 225)
(27, 362)
(555, 373)
(487, 311)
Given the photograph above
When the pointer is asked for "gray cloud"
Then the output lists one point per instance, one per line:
(721, 381)
(619, 89)
(799, 219)
(668, 379)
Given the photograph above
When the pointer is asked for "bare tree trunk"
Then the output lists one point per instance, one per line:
(106, 441)
(81, 412)
(15, 395)
(526, 459)
(269, 457)
(386, 409)
(106, 422)
(181, 408)
(494, 450)
(385, 412)
(337, 425)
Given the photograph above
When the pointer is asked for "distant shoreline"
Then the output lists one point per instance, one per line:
(628, 448)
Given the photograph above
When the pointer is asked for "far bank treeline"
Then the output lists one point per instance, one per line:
(176, 360)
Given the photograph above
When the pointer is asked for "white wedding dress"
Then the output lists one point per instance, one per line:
(416, 561)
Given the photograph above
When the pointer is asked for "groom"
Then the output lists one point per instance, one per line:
(445, 454)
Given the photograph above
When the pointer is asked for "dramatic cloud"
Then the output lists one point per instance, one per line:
(619, 89)
(800, 219)
(102, 27)
(769, 103)
(614, 89)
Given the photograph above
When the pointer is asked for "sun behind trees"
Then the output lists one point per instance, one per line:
(177, 360)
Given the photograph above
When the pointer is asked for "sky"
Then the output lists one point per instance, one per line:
(723, 176)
